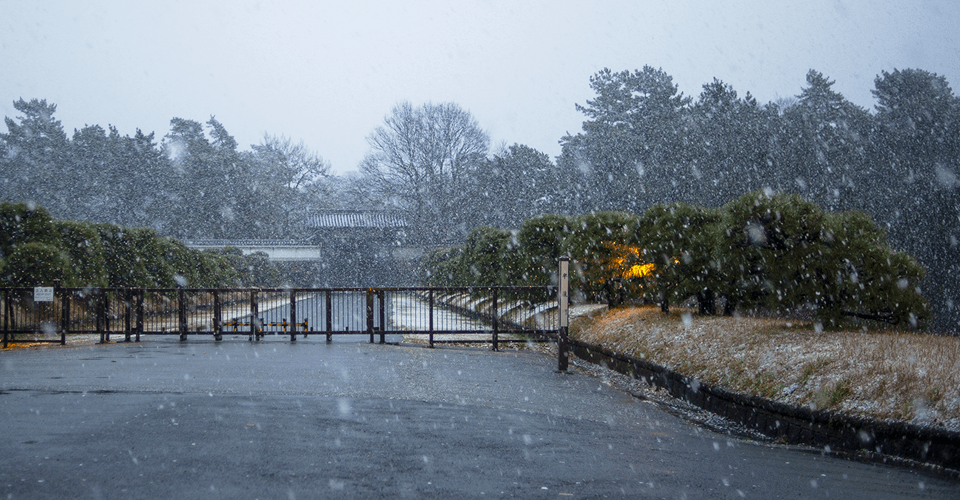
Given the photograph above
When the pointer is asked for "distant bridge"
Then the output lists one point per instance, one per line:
(276, 250)
(327, 236)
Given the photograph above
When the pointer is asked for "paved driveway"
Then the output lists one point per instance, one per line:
(164, 419)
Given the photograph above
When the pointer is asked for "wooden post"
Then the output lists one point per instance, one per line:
(127, 314)
(563, 297)
(100, 315)
(106, 313)
(254, 319)
(6, 324)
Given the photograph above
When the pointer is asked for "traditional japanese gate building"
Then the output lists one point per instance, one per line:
(338, 248)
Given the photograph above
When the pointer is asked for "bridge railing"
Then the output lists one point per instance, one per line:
(489, 314)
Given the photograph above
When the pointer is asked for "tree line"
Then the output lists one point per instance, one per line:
(762, 251)
(36, 250)
(642, 143)
(195, 184)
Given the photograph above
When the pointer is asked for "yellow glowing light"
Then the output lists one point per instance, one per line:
(639, 270)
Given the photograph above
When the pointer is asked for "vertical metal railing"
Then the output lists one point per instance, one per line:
(491, 314)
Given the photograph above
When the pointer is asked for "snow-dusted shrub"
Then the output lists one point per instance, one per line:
(782, 252)
(36, 264)
(491, 257)
(870, 280)
(680, 240)
(597, 246)
(37, 250)
(542, 245)
(441, 266)
(23, 223)
(126, 256)
(82, 243)
(31, 248)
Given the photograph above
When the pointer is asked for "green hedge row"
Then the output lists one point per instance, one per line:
(36, 250)
(767, 251)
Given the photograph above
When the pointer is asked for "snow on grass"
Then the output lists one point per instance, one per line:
(886, 375)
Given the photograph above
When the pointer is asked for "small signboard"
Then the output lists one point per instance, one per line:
(43, 294)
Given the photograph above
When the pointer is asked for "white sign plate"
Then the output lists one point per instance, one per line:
(43, 294)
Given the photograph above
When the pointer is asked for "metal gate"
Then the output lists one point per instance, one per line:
(489, 314)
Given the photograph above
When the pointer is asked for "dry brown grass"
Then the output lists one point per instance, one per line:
(887, 375)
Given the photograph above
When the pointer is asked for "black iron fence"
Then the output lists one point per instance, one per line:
(468, 315)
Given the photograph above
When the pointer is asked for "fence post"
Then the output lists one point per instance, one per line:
(101, 320)
(431, 318)
(6, 319)
(254, 316)
(383, 316)
(140, 294)
(217, 316)
(106, 314)
(329, 318)
(563, 296)
(370, 313)
(496, 325)
(293, 316)
(127, 314)
(64, 313)
(182, 313)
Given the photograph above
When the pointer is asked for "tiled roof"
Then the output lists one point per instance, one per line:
(356, 219)
(220, 243)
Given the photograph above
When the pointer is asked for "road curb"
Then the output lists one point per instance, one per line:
(793, 425)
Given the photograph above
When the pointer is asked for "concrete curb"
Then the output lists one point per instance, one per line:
(791, 424)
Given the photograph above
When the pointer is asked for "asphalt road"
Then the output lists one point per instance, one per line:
(274, 419)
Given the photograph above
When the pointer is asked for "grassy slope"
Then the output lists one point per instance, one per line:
(885, 375)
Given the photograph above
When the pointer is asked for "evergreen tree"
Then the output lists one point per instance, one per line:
(826, 139)
(542, 245)
(515, 185)
(632, 145)
(727, 146)
(35, 159)
(217, 201)
(917, 192)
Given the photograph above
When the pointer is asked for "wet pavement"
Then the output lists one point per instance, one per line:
(276, 419)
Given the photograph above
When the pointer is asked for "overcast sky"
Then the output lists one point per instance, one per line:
(328, 72)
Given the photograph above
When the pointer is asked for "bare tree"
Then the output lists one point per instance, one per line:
(421, 161)
(296, 166)
(289, 180)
